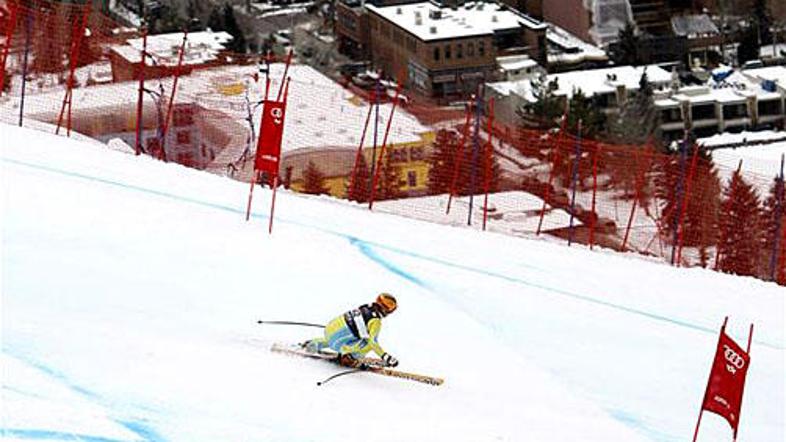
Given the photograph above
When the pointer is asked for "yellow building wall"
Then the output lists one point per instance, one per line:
(409, 157)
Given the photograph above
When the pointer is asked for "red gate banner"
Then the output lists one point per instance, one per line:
(727, 380)
(271, 133)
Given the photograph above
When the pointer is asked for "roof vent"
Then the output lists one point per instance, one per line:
(494, 18)
(398, 11)
(433, 29)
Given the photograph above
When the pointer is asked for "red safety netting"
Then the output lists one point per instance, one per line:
(68, 68)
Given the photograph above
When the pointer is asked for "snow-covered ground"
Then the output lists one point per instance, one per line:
(131, 290)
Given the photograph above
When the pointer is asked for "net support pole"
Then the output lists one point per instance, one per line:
(778, 221)
(555, 157)
(171, 104)
(489, 162)
(141, 96)
(574, 184)
(382, 150)
(458, 158)
(76, 43)
(475, 152)
(685, 200)
(28, 24)
(352, 193)
(594, 194)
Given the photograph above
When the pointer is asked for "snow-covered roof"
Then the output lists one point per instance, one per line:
(201, 47)
(320, 113)
(591, 82)
(515, 62)
(430, 21)
(600, 81)
(743, 138)
(772, 73)
(564, 47)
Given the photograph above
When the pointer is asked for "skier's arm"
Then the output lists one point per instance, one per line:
(374, 326)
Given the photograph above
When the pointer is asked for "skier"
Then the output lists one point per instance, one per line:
(354, 333)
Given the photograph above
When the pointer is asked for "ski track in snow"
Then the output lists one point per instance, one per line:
(367, 248)
(371, 251)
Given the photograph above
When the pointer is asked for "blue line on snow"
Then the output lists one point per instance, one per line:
(366, 249)
(387, 265)
(147, 434)
(50, 435)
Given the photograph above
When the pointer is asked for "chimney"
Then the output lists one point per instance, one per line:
(433, 29)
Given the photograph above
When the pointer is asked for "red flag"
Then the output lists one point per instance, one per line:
(271, 133)
(727, 380)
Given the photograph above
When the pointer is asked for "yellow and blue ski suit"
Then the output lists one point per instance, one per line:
(354, 332)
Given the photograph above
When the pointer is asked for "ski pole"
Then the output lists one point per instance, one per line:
(306, 324)
(343, 373)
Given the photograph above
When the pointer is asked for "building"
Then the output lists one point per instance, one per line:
(203, 49)
(599, 21)
(106, 112)
(608, 88)
(447, 51)
(747, 100)
(701, 36)
(336, 163)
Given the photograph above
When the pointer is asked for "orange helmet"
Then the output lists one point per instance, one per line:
(387, 303)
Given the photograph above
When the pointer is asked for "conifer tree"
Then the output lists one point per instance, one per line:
(238, 44)
(547, 108)
(314, 180)
(740, 228)
(774, 219)
(441, 161)
(389, 185)
(593, 121)
(358, 189)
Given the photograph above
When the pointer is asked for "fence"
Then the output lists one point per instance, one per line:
(183, 98)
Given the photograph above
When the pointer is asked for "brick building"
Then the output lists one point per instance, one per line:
(447, 50)
(203, 49)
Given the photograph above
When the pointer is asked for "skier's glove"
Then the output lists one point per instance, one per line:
(390, 361)
(348, 361)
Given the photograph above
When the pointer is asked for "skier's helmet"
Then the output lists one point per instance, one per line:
(387, 303)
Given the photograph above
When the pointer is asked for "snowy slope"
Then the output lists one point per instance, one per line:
(131, 288)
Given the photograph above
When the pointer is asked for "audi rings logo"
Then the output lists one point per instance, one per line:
(734, 361)
(277, 113)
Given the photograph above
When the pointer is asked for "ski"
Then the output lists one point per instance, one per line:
(431, 380)
(372, 365)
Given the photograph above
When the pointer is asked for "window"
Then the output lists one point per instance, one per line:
(481, 48)
(772, 107)
(672, 115)
(183, 117)
(436, 54)
(183, 137)
(703, 112)
(398, 156)
(470, 49)
(447, 52)
(735, 111)
(416, 154)
(412, 178)
(459, 51)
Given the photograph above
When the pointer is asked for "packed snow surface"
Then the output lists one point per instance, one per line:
(131, 290)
